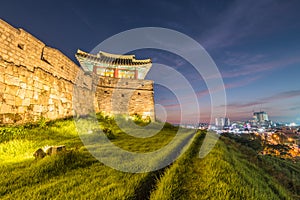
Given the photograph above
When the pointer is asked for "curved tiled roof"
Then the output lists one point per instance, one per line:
(114, 59)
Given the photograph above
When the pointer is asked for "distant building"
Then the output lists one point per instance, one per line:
(222, 121)
(260, 116)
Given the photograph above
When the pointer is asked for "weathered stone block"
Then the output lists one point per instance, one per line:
(55, 150)
(18, 101)
(1, 76)
(22, 109)
(12, 80)
(51, 108)
(21, 93)
(11, 90)
(2, 87)
(37, 108)
(23, 85)
(39, 154)
(5, 108)
(46, 87)
(29, 94)
(26, 102)
(36, 95)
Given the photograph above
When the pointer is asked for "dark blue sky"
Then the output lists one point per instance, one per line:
(255, 44)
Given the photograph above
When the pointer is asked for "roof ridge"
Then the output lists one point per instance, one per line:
(102, 54)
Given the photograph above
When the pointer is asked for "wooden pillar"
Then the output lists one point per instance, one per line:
(95, 69)
(136, 74)
(116, 74)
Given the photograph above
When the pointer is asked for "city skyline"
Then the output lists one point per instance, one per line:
(255, 46)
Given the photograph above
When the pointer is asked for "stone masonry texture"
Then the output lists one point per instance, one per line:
(37, 81)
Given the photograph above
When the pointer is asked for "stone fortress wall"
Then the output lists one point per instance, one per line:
(37, 81)
(114, 94)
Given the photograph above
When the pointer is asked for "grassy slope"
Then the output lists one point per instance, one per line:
(230, 171)
(224, 174)
(286, 172)
(71, 175)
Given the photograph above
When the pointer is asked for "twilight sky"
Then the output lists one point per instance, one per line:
(255, 45)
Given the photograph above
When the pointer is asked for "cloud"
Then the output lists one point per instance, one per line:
(172, 60)
(258, 67)
(240, 59)
(243, 19)
(231, 85)
(80, 16)
(239, 65)
(172, 106)
(276, 97)
(244, 105)
(243, 82)
(294, 108)
(169, 102)
(283, 95)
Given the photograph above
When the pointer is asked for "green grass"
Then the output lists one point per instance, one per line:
(285, 171)
(76, 173)
(225, 173)
(19, 143)
(231, 170)
(170, 184)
